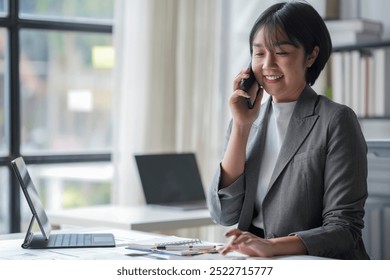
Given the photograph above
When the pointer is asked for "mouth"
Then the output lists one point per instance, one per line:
(273, 77)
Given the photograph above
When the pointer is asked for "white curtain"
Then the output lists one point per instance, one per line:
(166, 95)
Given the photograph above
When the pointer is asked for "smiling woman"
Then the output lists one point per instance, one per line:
(294, 172)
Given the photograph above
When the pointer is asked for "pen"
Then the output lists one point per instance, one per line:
(183, 248)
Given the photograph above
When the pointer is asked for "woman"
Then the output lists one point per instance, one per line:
(294, 171)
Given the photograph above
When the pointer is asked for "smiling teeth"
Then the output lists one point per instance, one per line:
(273, 77)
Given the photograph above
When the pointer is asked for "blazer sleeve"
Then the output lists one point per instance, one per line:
(225, 204)
(345, 189)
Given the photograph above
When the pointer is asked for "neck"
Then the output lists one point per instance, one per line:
(291, 96)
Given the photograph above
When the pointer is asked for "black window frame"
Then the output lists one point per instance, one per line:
(13, 24)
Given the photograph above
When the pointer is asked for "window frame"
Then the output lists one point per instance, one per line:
(13, 25)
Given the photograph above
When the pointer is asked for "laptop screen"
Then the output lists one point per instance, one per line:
(170, 178)
(31, 195)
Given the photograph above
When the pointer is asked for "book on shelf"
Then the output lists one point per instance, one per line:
(347, 83)
(354, 25)
(350, 38)
(356, 90)
(382, 81)
(337, 67)
(354, 31)
(371, 96)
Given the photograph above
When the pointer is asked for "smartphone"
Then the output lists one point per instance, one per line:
(246, 85)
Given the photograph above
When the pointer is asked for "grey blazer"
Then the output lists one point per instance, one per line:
(318, 187)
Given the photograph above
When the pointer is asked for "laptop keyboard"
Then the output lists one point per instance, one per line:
(70, 240)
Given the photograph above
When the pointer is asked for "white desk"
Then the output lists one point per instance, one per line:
(11, 249)
(105, 263)
(142, 218)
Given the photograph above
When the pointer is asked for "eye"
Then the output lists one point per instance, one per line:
(280, 52)
(259, 53)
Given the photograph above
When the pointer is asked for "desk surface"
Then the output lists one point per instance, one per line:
(11, 249)
(142, 218)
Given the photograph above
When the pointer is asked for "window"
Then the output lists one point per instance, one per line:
(4, 195)
(56, 61)
(65, 86)
(3, 8)
(93, 11)
(69, 185)
(3, 89)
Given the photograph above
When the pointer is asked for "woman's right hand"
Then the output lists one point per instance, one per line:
(233, 162)
(242, 115)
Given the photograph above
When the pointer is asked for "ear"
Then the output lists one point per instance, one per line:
(311, 58)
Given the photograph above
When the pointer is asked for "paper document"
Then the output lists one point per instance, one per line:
(174, 245)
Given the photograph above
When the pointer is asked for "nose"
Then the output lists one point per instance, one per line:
(269, 60)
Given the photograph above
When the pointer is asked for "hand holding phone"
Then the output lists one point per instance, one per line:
(246, 85)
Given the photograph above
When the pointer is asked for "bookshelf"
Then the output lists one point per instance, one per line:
(359, 77)
(376, 232)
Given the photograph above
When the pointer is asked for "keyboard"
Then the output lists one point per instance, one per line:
(70, 240)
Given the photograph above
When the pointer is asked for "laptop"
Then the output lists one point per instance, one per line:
(171, 180)
(45, 239)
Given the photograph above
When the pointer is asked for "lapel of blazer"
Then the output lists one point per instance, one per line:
(301, 123)
(252, 173)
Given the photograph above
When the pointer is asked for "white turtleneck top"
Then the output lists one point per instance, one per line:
(279, 118)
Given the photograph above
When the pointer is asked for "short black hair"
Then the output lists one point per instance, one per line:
(302, 24)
